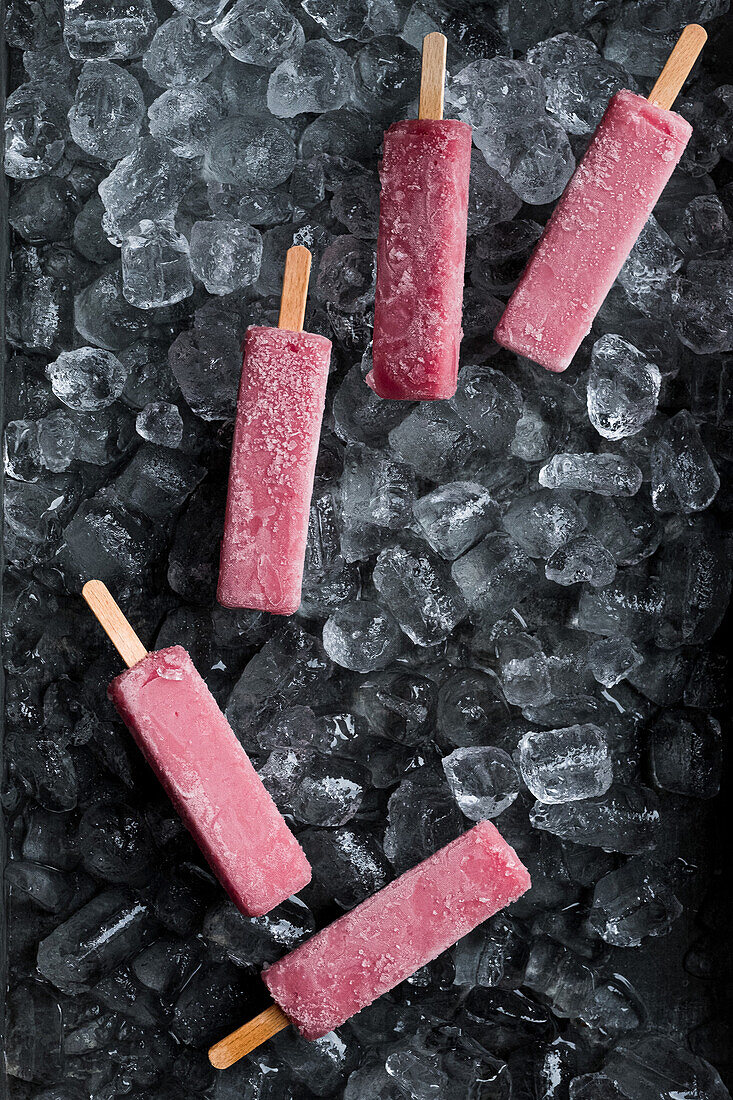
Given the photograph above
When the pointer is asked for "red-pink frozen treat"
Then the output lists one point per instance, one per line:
(392, 934)
(209, 779)
(421, 255)
(593, 228)
(279, 413)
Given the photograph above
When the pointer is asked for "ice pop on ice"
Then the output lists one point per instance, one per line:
(279, 413)
(597, 221)
(206, 773)
(369, 950)
(421, 249)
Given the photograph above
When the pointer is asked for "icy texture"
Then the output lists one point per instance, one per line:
(319, 77)
(566, 765)
(420, 257)
(259, 34)
(628, 162)
(155, 267)
(108, 110)
(190, 746)
(225, 255)
(159, 962)
(357, 958)
(623, 388)
(504, 102)
(484, 781)
(279, 413)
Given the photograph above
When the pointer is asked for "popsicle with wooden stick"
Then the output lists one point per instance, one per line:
(384, 940)
(279, 413)
(598, 219)
(205, 771)
(421, 248)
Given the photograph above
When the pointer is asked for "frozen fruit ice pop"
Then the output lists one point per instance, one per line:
(191, 747)
(421, 251)
(594, 227)
(279, 412)
(392, 934)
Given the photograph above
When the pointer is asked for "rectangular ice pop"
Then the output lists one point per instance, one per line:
(370, 950)
(421, 250)
(206, 773)
(279, 412)
(597, 221)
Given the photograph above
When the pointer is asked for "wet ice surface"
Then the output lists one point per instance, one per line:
(510, 602)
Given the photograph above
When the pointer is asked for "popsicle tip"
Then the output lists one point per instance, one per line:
(432, 78)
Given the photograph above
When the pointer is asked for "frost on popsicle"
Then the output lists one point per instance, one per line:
(504, 609)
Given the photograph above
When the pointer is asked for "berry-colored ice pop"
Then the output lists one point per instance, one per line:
(596, 223)
(279, 413)
(384, 940)
(206, 773)
(421, 249)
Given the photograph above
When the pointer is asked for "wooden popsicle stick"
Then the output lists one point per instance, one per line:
(248, 1037)
(432, 79)
(295, 288)
(114, 623)
(679, 63)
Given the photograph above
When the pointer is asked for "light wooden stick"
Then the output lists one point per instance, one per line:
(432, 80)
(679, 63)
(248, 1037)
(295, 288)
(114, 623)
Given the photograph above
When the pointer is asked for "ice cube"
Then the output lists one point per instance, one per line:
(582, 559)
(35, 131)
(484, 780)
(456, 516)
(225, 255)
(147, 184)
(632, 903)
(607, 474)
(87, 379)
(684, 478)
(362, 636)
(259, 34)
(247, 151)
(115, 29)
(100, 936)
(182, 52)
(543, 522)
(490, 403)
(625, 819)
(319, 77)
(419, 591)
(160, 422)
(108, 110)
(566, 765)
(155, 267)
(184, 118)
(685, 753)
(623, 388)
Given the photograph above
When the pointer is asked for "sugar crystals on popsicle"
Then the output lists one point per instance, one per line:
(369, 950)
(597, 221)
(421, 249)
(206, 773)
(279, 413)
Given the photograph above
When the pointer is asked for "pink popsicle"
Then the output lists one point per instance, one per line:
(279, 413)
(392, 934)
(206, 773)
(421, 252)
(594, 227)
